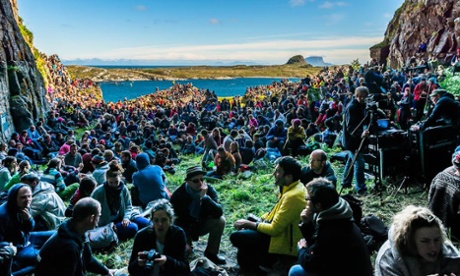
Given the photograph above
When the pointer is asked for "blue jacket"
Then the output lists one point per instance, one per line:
(150, 180)
(12, 228)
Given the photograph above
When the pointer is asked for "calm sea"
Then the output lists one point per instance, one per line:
(114, 91)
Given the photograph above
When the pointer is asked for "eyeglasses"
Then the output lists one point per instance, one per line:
(307, 198)
(315, 160)
(197, 180)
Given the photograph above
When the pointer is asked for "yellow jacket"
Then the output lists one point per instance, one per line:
(281, 223)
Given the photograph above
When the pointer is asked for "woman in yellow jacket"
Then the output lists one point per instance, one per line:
(261, 242)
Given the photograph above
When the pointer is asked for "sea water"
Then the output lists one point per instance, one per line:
(114, 91)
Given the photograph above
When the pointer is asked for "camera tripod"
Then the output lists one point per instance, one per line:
(394, 189)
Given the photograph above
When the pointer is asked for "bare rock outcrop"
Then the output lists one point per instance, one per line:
(435, 22)
(22, 91)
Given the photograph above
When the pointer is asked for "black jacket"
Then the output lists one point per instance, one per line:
(67, 253)
(447, 109)
(335, 244)
(308, 175)
(181, 202)
(174, 250)
(354, 114)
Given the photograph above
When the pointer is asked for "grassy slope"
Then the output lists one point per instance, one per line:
(257, 195)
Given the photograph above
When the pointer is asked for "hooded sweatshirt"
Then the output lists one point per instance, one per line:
(335, 244)
(47, 204)
(150, 180)
(67, 253)
(13, 228)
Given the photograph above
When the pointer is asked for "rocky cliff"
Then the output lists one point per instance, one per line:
(435, 22)
(22, 91)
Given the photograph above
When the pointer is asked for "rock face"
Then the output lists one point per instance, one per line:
(22, 91)
(317, 61)
(435, 22)
(297, 60)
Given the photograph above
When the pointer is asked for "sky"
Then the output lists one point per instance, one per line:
(202, 32)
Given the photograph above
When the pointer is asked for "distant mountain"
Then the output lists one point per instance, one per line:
(132, 62)
(317, 61)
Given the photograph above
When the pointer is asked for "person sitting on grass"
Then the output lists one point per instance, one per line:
(67, 252)
(116, 204)
(272, 240)
(52, 175)
(224, 163)
(417, 245)
(330, 235)
(168, 240)
(319, 167)
(47, 208)
(199, 212)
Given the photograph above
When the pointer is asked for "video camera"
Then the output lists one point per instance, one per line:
(150, 257)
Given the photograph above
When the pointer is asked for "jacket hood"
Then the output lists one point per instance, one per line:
(341, 210)
(142, 161)
(11, 204)
(42, 187)
(67, 230)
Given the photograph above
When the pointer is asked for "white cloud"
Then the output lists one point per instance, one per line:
(214, 21)
(338, 50)
(387, 15)
(140, 7)
(334, 18)
(326, 5)
(296, 3)
(330, 5)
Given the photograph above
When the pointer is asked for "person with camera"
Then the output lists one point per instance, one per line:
(332, 243)
(199, 212)
(417, 245)
(354, 133)
(160, 248)
(271, 240)
(66, 252)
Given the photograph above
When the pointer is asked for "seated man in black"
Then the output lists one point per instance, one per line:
(319, 167)
(199, 212)
(332, 243)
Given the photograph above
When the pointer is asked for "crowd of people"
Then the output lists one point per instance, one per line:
(141, 142)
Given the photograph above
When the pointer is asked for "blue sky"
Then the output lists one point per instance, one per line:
(173, 31)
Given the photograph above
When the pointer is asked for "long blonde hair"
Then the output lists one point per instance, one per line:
(407, 222)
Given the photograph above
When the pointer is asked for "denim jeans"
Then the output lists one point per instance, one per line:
(358, 173)
(297, 270)
(27, 256)
(128, 232)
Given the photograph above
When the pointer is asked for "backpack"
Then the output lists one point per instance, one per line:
(356, 207)
(103, 238)
(375, 232)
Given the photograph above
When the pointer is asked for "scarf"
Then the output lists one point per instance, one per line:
(113, 197)
(195, 207)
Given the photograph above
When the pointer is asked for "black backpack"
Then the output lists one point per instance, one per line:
(374, 231)
(356, 207)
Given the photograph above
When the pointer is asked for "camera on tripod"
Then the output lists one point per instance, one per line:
(150, 257)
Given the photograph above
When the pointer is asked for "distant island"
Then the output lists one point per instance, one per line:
(317, 61)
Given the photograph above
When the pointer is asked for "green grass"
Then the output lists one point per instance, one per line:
(258, 195)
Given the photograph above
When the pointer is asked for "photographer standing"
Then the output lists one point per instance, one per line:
(354, 132)
(159, 249)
